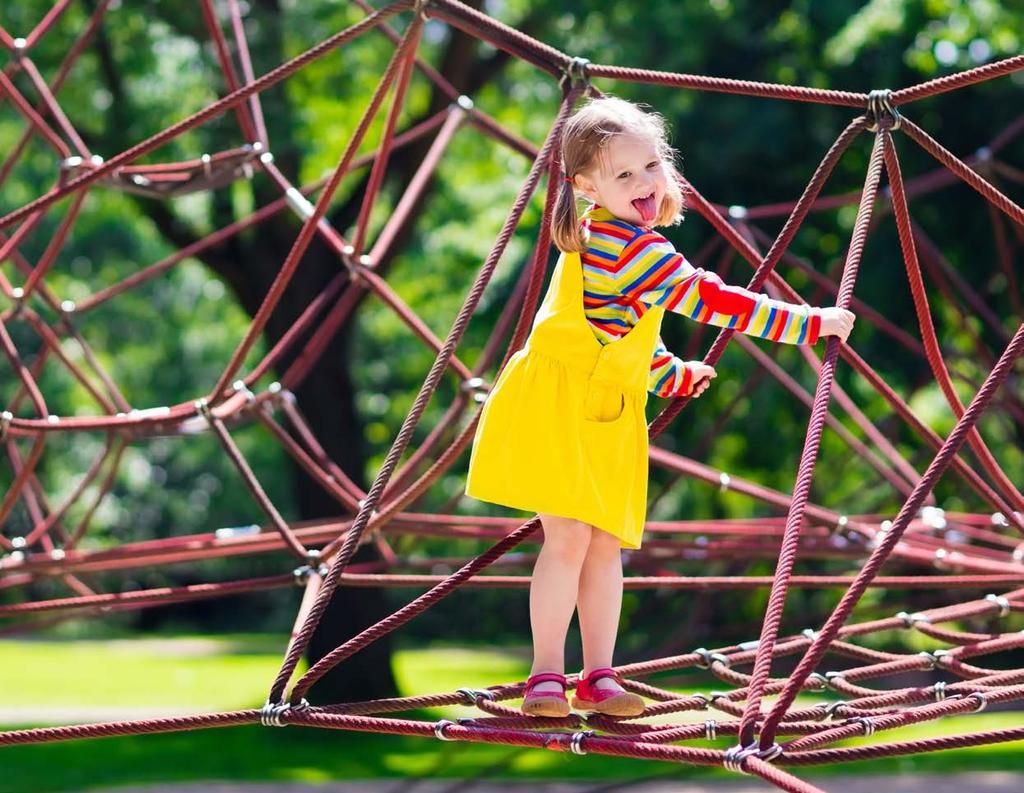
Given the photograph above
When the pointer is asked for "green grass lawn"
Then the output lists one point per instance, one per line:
(207, 674)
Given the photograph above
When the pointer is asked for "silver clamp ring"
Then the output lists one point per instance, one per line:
(934, 657)
(713, 695)
(476, 387)
(303, 572)
(770, 753)
(866, 722)
(203, 409)
(576, 742)
(473, 694)
(940, 690)
(879, 104)
(440, 727)
(982, 701)
(706, 699)
(575, 72)
(999, 600)
(708, 658)
(909, 620)
(710, 729)
(241, 388)
(735, 755)
(5, 423)
(271, 712)
(821, 680)
(830, 708)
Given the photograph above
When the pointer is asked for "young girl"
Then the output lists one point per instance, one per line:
(563, 431)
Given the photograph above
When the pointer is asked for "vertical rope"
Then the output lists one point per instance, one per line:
(805, 472)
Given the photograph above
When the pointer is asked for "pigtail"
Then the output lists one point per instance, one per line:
(565, 227)
(673, 203)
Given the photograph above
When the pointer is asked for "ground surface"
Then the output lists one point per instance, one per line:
(990, 782)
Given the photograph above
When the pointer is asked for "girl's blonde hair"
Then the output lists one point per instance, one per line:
(585, 139)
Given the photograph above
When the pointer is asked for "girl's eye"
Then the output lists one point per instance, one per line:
(624, 174)
(653, 164)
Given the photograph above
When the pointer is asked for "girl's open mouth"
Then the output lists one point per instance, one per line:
(645, 206)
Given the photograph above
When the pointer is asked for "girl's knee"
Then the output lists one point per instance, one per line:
(565, 537)
(604, 542)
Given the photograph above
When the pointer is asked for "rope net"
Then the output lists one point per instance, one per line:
(979, 552)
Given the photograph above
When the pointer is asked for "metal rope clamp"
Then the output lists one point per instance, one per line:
(576, 73)
(705, 700)
(714, 695)
(866, 723)
(271, 712)
(576, 742)
(202, 407)
(440, 727)
(822, 681)
(708, 658)
(1002, 602)
(18, 296)
(910, 620)
(935, 657)
(879, 106)
(476, 387)
(735, 755)
(420, 8)
(303, 572)
(830, 709)
(473, 694)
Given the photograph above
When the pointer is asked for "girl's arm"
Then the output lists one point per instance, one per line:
(652, 271)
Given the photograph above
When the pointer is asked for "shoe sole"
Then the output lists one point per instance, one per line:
(546, 706)
(625, 704)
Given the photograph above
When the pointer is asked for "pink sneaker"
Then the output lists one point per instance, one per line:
(606, 700)
(545, 703)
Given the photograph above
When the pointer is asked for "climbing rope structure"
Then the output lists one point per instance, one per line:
(976, 552)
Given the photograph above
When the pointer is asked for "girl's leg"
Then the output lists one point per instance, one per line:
(599, 602)
(553, 590)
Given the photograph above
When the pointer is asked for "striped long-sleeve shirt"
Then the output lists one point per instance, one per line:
(627, 269)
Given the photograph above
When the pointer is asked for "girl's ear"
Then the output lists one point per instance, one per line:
(585, 186)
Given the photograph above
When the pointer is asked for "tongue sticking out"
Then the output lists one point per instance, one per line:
(645, 206)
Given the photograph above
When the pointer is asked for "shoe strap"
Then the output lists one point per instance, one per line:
(605, 671)
(545, 677)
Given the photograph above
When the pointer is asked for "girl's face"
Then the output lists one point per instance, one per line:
(629, 180)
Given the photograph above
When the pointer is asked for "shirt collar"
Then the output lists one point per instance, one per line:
(597, 212)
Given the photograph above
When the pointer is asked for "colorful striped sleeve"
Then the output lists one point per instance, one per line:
(669, 375)
(652, 271)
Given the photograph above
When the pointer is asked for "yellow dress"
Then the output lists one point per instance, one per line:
(563, 431)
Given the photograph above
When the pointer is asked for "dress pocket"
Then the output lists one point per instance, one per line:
(604, 403)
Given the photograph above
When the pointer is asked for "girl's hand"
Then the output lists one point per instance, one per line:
(836, 321)
(702, 374)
